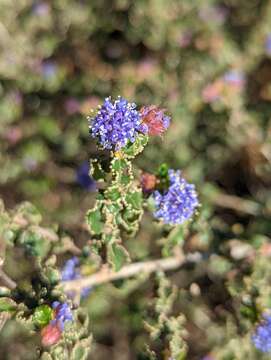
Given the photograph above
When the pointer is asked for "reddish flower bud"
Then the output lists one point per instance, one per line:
(50, 335)
(155, 119)
(148, 182)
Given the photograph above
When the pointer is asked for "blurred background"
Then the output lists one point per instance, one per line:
(209, 64)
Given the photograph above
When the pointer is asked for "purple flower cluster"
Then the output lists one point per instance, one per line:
(262, 335)
(178, 203)
(63, 313)
(71, 271)
(83, 178)
(117, 123)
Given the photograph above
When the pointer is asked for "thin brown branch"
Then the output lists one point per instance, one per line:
(236, 203)
(106, 275)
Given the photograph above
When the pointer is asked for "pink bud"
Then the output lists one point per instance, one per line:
(50, 335)
(148, 182)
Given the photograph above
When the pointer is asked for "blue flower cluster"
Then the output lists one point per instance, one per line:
(178, 203)
(262, 335)
(83, 178)
(71, 271)
(117, 123)
(63, 313)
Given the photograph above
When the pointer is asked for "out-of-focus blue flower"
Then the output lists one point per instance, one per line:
(49, 69)
(63, 313)
(116, 123)
(262, 335)
(41, 8)
(268, 44)
(234, 77)
(178, 203)
(83, 178)
(71, 271)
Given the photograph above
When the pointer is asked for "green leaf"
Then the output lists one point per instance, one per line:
(80, 351)
(96, 171)
(94, 220)
(118, 256)
(118, 164)
(134, 199)
(113, 193)
(34, 243)
(135, 148)
(6, 304)
(43, 314)
(176, 237)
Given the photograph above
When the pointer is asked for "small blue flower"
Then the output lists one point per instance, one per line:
(49, 69)
(234, 77)
(63, 313)
(117, 123)
(83, 178)
(178, 203)
(71, 271)
(262, 335)
(268, 44)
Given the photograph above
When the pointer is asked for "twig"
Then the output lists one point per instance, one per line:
(236, 203)
(106, 274)
(7, 280)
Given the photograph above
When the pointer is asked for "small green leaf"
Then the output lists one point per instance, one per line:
(118, 256)
(118, 164)
(134, 199)
(96, 171)
(43, 314)
(135, 148)
(79, 352)
(113, 193)
(6, 304)
(94, 220)
(34, 243)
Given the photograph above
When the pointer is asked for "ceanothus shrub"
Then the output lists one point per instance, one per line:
(48, 300)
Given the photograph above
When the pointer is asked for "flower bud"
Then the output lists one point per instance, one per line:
(50, 335)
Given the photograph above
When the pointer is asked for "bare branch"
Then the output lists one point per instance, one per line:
(105, 274)
(236, 203)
